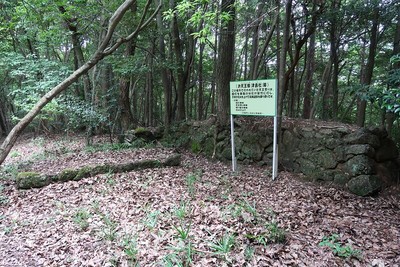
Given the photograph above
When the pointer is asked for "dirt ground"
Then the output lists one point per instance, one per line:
(197, 214)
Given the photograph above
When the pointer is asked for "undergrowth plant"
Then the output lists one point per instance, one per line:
(3, 197)
(223, 246)
(182, 248)
(343, 251)
(129, 245)
(191, 180)
(81, 217)
(275, 233)
(110, 228)
(249, 252)
(8, 171)
(151, 219)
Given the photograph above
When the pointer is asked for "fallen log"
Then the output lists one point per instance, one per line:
(27, 180)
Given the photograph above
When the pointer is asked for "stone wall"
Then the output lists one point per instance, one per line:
(361, 160)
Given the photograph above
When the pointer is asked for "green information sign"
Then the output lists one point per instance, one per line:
(256, 98)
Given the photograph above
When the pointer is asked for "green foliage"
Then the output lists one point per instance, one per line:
(182, 248)
(182, 211)
(9, 171)
(249, 252)
(339, 250)
(129, 245)
(151, 219)
(172, 260)
(275, 233)
(110, 228)
(108, 147)
(224, 245)
(81, 217)
(191, 180)
(31, 78)
(271, 234)
(3, 197)
(81, 114)
(202, 15)
(195, 147)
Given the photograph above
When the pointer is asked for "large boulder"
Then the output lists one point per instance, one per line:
(365, 185)
(360, 164)
(362, 136)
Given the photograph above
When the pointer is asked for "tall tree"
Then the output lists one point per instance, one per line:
(368, 68)
(309, 68)
(225, 60)
(165, 72)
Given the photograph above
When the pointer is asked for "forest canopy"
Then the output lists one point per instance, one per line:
(334, 60)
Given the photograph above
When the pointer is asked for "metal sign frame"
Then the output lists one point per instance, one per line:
(255, 98)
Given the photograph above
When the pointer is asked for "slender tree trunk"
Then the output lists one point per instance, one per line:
(184, 66)
(200, 92)
(225, 61)
(165, 74)
(213, 81)
(149, 97)
(334, 47)
(79, 58)
(3, 120)
(390, 116)
(310, 67)
(126, 117)
(369, 68)
(261, 53)
(284, 47)
(124, 101)
(255, 38)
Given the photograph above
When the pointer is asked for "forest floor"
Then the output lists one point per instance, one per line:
(197, 214)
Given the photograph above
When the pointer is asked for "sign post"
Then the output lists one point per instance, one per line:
(254, 98)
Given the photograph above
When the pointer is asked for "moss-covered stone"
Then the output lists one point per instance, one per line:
(360, 164)
(84, 172)
(365, 185)
(67, 175)
(27, 180)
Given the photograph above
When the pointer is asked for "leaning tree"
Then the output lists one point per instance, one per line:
(106, 48)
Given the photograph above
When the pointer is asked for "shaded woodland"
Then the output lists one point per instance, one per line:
(118, 68)
(143, 64)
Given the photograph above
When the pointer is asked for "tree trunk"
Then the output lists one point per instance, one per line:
(390, 116)
(225, 61)
(106, 48)
(284, 47)
(183, 66)
(369, 68)
(149, 92)
(165, 74)
(126, 117)
(78, 53)
(255, 39)
(261, 52)
(3, 120)
(200, 92)
(310, 67)
(334, 47)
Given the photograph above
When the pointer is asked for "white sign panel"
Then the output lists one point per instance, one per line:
(256, 98)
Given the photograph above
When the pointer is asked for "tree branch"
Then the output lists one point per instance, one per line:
(101, 52)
